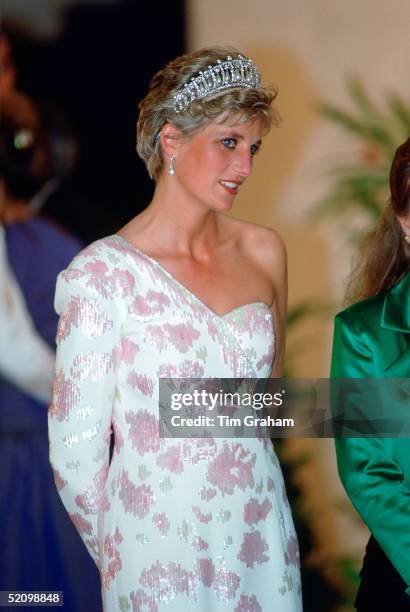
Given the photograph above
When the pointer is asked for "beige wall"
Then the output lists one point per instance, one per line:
(308, 48)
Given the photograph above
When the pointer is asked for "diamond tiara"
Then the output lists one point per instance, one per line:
(240, 72)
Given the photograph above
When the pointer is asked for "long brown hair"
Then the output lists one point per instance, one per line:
(386, 257)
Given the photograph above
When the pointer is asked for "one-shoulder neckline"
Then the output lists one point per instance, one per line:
(157, 264)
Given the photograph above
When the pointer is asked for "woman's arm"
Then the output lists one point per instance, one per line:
(268, 251)
(280, 304)
(26, 360)
(372, 479)
(88, 350)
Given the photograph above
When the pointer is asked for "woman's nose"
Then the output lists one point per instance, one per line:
(243, 164)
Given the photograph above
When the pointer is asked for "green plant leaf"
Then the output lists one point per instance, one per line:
(400, 112)
(359, 96)
(354, 187)
(369, 130)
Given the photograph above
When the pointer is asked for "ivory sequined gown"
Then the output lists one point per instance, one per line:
(174, 524)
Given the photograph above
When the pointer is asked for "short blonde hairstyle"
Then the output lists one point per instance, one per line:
(157, 108)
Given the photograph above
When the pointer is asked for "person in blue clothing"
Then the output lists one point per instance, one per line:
(40, 549)
(19, 341)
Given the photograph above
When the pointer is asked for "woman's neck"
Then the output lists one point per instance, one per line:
(175, 223)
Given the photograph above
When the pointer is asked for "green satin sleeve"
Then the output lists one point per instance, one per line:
(372, 479)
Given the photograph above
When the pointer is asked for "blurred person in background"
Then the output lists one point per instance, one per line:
(40, 549)
(182, 290)
(372, 340)
(19, 342)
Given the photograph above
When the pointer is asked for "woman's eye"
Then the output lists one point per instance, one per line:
(254, 149)
(229, 143)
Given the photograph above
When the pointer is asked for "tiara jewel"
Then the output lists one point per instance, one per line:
(240, 72)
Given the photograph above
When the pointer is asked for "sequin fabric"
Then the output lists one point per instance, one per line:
(173, 524)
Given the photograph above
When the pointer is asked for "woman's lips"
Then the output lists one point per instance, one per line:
(231, 187)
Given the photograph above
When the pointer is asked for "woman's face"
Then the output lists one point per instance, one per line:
(212, 164)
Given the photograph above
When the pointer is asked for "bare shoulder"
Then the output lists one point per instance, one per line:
(263, 245)
(266, 245)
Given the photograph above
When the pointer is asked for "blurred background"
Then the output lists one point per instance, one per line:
(342, 70)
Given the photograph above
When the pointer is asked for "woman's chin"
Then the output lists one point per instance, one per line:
(223, 204)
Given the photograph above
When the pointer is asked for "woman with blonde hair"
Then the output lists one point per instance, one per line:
(182, 291)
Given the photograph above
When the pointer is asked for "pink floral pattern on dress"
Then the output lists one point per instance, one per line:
(161, 521)
(71, 274)
(292, 551)
(141, 602)
(142, 382)
(171, 460)
(94, 499)
(167, 580)
(212, 330)
(226, 584)
(248, 604)
(206, 571)
(112, 555)
(88, 502)
(84, 313)
(59, 480)
(232, 467)
(255, 512)
(270, 484)
(117, 282)
(144, 430)
(181, 335)
(199, 544)
(81, 524)
(167, 370)
(197, 450)
(206, 493)
(139, 307)
(154, 303)
(154, 334)
(203, 518)
(66, 397)
(267, 358)
(92, 366)
(253, 548)
(136, 500)
(186, 369)
(128, 350)
(160, 300)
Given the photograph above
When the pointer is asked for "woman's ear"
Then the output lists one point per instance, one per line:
(405, 226)
(170, 138)
(405, 223)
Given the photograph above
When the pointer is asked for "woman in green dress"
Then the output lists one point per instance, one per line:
(372, 340)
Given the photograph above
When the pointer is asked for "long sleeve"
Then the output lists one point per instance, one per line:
(371, 477)
(88, 340)
(26, 360)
